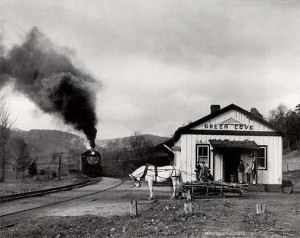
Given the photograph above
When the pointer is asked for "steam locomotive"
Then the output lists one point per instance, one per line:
(91, 163)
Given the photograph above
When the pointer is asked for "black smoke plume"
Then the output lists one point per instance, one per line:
(47, 76)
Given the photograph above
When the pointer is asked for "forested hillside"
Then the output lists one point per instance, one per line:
(43, 146)
(44, 142)
(152, 139)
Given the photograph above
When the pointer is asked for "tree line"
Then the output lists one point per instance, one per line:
(20, 150)
(136, 144)
(289, 121)
(13, 150)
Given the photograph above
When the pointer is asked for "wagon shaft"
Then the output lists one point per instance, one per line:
(213, 188)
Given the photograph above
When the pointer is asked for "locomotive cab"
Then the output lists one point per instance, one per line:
(91, 163)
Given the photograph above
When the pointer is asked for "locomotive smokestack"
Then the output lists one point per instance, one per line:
(92, 144)
(49, 78)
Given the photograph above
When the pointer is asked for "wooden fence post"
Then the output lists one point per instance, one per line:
(263, 208)
(260, 208)
(207, 190)
(133, 208)
(187, 206)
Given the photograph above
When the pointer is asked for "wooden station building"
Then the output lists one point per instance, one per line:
(223, 138)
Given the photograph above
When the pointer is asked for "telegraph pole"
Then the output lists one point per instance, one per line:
(59, 163)
(59, 166)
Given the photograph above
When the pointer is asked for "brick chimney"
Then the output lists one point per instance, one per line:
(214, 108)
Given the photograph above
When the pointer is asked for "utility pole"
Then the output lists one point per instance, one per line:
(59, 166)
(59, 163)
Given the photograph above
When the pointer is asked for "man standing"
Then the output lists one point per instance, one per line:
(247, 173)
(253, 168)
(241, 170)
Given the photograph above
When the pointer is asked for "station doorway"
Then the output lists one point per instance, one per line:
(231, 159)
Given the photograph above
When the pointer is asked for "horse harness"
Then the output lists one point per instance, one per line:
(155, 172)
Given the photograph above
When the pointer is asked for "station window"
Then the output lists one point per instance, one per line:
(262, 157)
(202, 154)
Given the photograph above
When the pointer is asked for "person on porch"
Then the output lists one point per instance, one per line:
(253, 169)
(247, 173)
(241, 170)
(198, 169)
(204, 172)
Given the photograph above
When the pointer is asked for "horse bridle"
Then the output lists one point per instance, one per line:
(134, 178)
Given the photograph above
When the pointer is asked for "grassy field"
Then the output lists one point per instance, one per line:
(291, 168)
(218, 217)
(291, 161)
(33, 184)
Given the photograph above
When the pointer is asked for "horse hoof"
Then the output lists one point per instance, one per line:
(150, 198)
(172, 197)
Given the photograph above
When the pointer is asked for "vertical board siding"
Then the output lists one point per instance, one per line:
(280, 160)
(272, 160)
(276, 165)
(183, 156)
(217, 167)
(186, 159)
(193, 158)
(189, 158)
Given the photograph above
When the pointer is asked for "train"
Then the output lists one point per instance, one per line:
(91, 163)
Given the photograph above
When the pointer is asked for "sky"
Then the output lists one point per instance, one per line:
(163, 63)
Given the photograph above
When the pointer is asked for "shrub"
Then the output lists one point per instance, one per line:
(42, 172)
(32, 169)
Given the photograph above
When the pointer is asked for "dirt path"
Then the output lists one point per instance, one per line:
(114, 202)
(106, 215)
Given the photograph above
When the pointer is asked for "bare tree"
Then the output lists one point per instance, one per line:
(114, 145)
(5, 126)
(139, 144)
(19, 152)
(125, 144)
(136, 143)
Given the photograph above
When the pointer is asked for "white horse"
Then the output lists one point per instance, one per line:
(152, 174)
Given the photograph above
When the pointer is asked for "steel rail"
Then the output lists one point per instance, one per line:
(12, 197)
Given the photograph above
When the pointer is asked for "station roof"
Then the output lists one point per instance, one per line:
(246, 144)
(188, 128)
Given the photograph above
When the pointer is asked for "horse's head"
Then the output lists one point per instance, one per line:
(137, 181)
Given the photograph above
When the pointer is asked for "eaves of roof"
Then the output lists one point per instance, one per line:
(185, 129)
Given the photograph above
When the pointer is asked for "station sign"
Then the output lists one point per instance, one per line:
(176, 148)
(229, 127)
(229, 124)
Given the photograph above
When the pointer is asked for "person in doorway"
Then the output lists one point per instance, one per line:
(198, 168)
(247, 172)
(204, 172)
(241, 170)
(253, 169)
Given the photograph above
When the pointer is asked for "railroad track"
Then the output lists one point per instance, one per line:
(9, 219)
(17, 196)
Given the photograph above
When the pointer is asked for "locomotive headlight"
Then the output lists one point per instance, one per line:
(93, 152)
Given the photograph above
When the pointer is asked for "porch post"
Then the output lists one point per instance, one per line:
(213, 158)
(256, 171)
